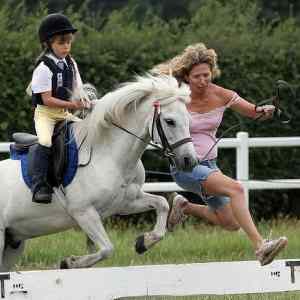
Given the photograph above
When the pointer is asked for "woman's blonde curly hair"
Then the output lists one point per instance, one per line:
(181, 65)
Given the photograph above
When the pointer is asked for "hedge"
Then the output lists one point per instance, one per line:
(253, 54)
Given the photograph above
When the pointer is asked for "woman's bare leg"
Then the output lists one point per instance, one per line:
(222, 217)
(231, 216)
(220, 184)
(201, 211)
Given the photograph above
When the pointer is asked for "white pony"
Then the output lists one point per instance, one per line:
(110, 176)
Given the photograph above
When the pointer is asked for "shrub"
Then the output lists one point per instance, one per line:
(253, 53)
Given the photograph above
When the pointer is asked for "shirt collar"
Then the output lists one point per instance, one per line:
(55, 59)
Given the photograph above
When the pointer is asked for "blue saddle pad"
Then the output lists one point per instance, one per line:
(71, 167)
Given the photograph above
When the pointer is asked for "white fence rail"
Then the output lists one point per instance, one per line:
(242, 143)
(218, 278)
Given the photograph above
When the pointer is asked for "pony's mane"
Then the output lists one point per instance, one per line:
(129, 95)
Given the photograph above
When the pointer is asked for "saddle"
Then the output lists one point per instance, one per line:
(63, 159)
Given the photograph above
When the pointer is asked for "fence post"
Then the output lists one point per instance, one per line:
(242, 161)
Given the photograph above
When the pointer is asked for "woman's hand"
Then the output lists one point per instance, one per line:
(265, 111)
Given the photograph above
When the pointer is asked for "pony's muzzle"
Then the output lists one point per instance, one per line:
(187, 163)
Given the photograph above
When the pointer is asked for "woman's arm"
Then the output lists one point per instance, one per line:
(250, 110)
(244, 108)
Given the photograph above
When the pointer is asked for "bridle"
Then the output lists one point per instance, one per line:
(166, 149)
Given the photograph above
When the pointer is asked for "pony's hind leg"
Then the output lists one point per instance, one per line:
(10, 250)
(90, 222)
(90, 245)
(11, 256)
(2, 246)
(145, 202)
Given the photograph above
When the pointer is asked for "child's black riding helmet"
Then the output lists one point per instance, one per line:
(54, 24)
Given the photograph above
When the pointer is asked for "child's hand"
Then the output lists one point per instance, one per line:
(87, 103)
(80, 104)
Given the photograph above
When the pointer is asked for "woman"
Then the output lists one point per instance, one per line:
(224, 196)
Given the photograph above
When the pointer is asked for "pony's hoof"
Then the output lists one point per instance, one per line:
(140, 247)
(64, 264)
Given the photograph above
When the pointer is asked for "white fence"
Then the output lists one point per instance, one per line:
(175, 280)
(218, 278)
(242, 143)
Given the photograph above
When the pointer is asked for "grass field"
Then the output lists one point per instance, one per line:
(188, 244)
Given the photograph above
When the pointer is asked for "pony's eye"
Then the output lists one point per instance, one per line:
(170, 122)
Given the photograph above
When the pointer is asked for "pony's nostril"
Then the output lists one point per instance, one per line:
(187, 162)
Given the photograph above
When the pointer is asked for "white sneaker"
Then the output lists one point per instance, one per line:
(176, 215)
(269, 249)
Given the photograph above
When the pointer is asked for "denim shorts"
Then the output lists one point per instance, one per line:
(192, 182)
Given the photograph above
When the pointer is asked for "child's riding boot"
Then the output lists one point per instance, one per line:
(41, 190)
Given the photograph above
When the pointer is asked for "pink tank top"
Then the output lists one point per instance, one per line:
(203, 128)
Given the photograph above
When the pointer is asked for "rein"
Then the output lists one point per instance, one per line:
(281, 113)
(283, 116)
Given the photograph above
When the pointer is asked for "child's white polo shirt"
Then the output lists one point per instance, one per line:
(42, 76)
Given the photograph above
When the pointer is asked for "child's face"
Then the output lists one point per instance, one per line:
(61, 44)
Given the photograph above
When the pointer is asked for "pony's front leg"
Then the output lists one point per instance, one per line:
(90, 222)
(145, 202)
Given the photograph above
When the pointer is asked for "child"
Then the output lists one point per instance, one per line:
(56, 75)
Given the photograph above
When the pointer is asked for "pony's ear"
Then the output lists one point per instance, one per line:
(29, 90)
